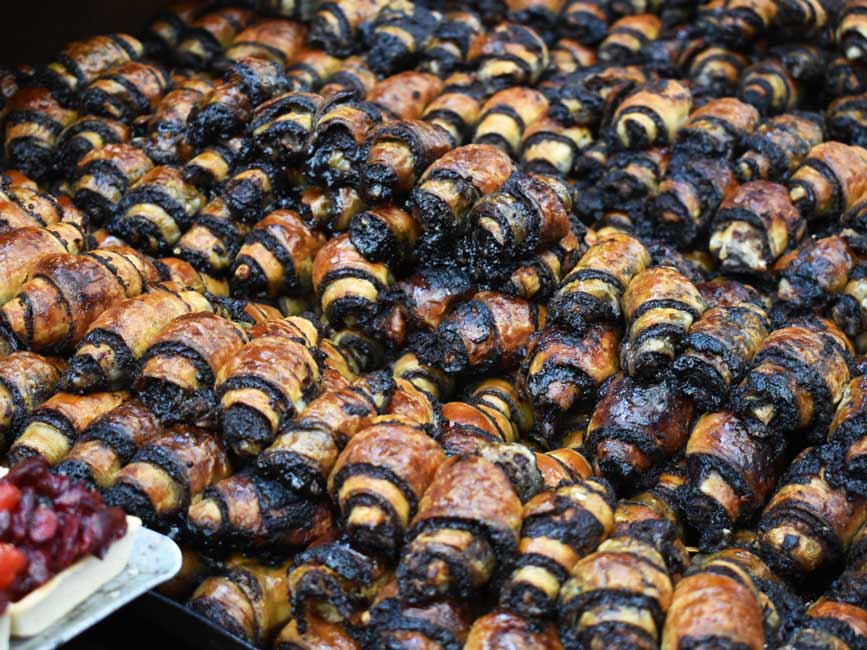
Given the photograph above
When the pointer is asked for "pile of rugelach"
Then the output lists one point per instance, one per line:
(505, 324)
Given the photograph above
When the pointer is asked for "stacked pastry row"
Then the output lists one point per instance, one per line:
(436, 325)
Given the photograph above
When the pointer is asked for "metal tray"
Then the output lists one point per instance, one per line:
(183, 624)
(154, 559)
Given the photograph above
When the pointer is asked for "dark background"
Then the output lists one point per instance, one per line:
(33, 30)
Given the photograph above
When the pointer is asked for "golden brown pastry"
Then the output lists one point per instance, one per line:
(168, 473)
(652, 115)
(449, 46)
(104, 175)
(125, 91)
(336, 26)
(210, 34)
(636, 427)
(248, 598)
(53, 428)
(177, 372)
(109, 443)
(755, 224)
(830, 180)
(398, 35)
(277, 257)
(65, 293)
(267, 382)
(505, 116)
(508, 55)
(468, 522)
(26, 381)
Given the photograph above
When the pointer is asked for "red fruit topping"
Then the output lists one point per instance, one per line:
(11, 562)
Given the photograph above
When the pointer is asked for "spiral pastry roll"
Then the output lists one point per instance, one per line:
(448, 188)
(441, 624)
(52, 429)
(539, 276)
(165, 140)
(815, 273)
(778, 146)
(505, 116)
(177, 371)
(249, 192)
(755, 225)
(742, 21)
(592, 291)
(104, 175)
(34, 121)
(318, 635)
(248, 598)
(270, 380)
(125, 91)
(214, 238)
(718, 350)
(353, 77)
(86, 134)
(457, 108)
(303, 454)
(845, 118)
(659, 305)
(401, 31)
(385, 234)
(769, 87)
(468, 524)
(449, 45)
(333, 582)
(731, 475)
(797, 377)
(330, 210)
(156, 210)
(730, 598)
(715, 71)
(527, 215)
(620, 593)
(563, 370)
(560, 527)
(250, 512)
(491, 330)
(715, 129)
(210, 34)
(24, 207)
(849, 309)
(277, 257)
(830, 180)
(420, 302)
(168, 473)
(65, 293)
(810, 18)
(493, 412)
(652, 115)
(628, 443)
(106, 357)
(508, 55)
(310, 69)
(568, 56)
(549, 147)
(632, 176)
(214, 164)
(379, 479)
(109, 443)
(80, 62)
(852, 30)
(164, 33)
(26, 381)
(585, 20)
(348, 286)
(808, 524)
(21, 250)
(628, 39)
(540, 14)
(227, 109)
(275, 40)
(688, 197)
(280, 126)
(400, 151)
(837, 617)
(337, 25)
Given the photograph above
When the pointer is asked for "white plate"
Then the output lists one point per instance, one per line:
(154, 559)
